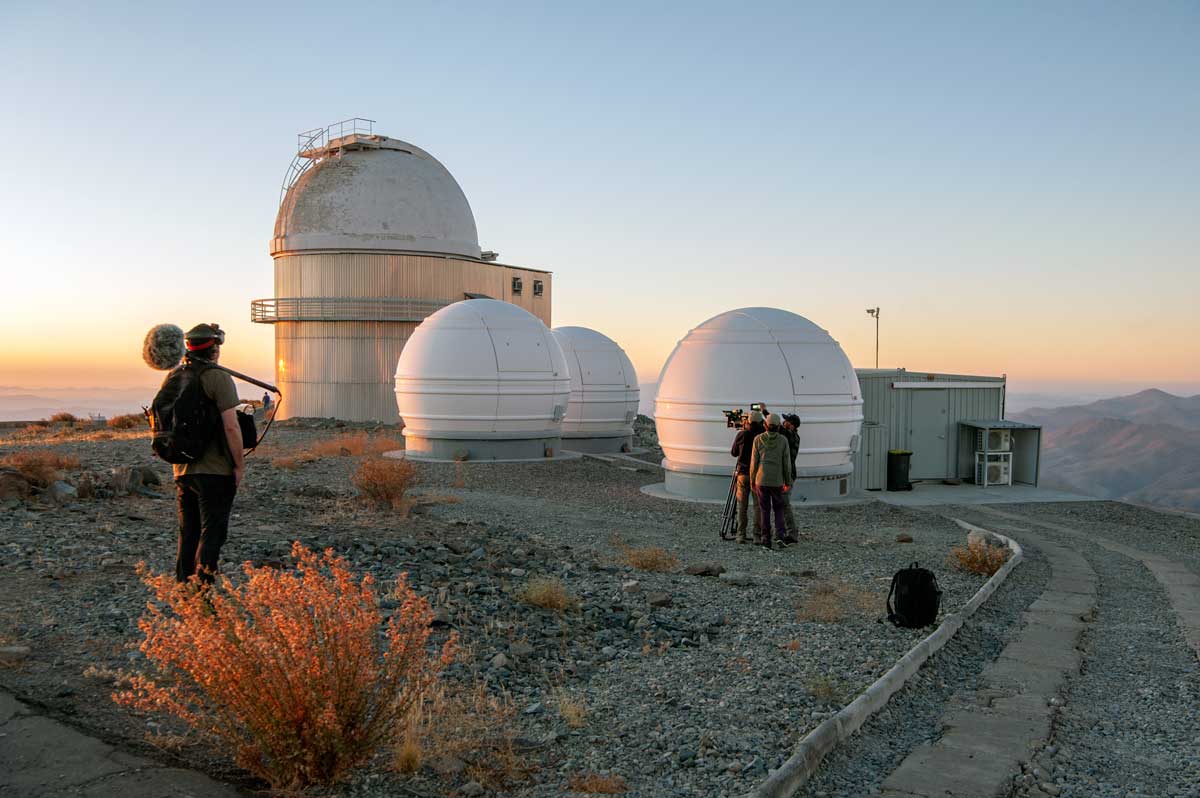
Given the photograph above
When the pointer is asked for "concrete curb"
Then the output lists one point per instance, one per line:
(815, 745)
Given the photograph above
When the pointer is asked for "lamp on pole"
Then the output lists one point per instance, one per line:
(874, 313)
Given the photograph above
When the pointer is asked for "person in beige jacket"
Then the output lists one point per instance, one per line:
(771, 474)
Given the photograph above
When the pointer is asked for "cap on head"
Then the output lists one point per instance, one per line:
(204, 336)
(792, 419)
(756, 417)
(773, 420)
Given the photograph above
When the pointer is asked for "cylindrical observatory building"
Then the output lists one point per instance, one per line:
(373, 235)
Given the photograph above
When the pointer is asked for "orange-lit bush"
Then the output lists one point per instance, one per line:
(384, 482)
(40, 468)
(128, 421)
(979, 558)
(288, 669)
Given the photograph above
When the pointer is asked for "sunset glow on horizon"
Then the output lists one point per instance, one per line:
(1016, 188)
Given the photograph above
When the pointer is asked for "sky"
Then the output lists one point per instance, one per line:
(1016, 185)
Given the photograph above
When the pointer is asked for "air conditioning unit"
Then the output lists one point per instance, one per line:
(993, 468)
(998, 440)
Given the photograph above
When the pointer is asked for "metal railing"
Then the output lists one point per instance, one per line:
(269, 311)
(317, 139)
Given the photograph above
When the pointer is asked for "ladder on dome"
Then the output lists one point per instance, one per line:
(310, 142)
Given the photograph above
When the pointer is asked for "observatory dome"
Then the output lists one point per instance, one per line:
(482, 380)
(376, 194)
(604, 392)
(757, 355)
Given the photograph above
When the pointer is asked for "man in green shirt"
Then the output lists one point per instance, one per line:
(205, 488)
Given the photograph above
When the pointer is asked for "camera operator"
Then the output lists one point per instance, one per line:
(743, 446)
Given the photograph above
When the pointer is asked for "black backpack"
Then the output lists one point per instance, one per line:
(918, 598)
(183, 419)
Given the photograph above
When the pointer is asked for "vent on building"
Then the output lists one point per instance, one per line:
(516, 285)
(538, 287)
(995, 470)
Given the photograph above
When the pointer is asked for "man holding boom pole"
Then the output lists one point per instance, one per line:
(206, 487)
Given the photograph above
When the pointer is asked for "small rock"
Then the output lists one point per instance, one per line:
(902, 538)
(1057, 702)
(500, 661)
(13, 653)
(521, 649)
(441, 617)
(737, 578)
(1050, 788)
(533, 709)
(472, 789)
(659, 600)
(517, 571)
(705, 569)
(632, 586)
(62, 492)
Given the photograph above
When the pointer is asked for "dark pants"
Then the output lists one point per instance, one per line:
(204, 504)
(770, 500)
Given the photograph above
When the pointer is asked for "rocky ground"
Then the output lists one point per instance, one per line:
(688, 683)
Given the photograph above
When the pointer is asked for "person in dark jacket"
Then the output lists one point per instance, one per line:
(742, 449)
(791, 431)
(772, 476)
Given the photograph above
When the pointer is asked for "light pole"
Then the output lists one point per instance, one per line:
(874, 313)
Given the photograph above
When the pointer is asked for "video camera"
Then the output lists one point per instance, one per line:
(734, 418)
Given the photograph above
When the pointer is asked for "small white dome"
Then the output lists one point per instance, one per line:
(482, 368)
(604, 387)
(758, 355)
(382, 195)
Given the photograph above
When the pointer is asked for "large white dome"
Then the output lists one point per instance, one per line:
(757, 355)
(382, 195)
(604, 387)
(481, 370)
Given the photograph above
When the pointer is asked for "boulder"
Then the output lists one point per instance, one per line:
(740, 578)
(902, 538)
(62, 492)
(705, 569)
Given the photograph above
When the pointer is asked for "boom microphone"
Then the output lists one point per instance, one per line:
(163, 348)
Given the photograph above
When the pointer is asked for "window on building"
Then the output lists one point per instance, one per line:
(538, 287)
(516, 285)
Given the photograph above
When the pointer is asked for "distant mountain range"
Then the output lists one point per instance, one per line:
(1142, 448)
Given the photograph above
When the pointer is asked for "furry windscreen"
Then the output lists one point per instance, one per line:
(163, 347)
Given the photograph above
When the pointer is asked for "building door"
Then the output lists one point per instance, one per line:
(927, 433)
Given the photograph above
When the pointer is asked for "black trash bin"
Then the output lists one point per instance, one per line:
(897, 469)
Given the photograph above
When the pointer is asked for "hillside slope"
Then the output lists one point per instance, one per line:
(1143, 448)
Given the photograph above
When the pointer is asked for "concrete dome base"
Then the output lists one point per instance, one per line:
(609, 445)
(686, 485)
(481, 449)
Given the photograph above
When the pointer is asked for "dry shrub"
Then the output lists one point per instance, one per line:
(792, 645)
(355, 444)
(63, 418)
(384, 482)
(293, 461)
(469, 724)
(833, 602)
(288, 670)
(649, 558)
(823, 688)
(573, 710)
(979, 558)
(597, 784)
(40, 468)
(128, 421)
(548, 593)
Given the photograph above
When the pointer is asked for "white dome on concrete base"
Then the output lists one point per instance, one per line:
(757, 355)
(604, 392)
(482, 380)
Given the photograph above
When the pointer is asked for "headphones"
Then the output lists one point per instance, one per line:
(217, 339)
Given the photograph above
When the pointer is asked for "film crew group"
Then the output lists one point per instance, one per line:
(195, 426)
(765, 449)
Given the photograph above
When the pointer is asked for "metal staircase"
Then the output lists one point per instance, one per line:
(311, 146)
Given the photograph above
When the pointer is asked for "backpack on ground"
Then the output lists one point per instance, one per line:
(183, 419)
(918, 597)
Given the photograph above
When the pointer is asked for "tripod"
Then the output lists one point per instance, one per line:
(729, 514)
